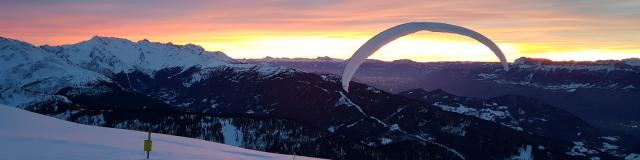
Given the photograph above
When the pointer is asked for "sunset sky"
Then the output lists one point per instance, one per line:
(558, 30)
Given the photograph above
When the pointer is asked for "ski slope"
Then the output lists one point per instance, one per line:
(30, 136)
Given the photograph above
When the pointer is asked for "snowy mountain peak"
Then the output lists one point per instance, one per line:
(28, 70)
(6, 43)
(31, 73)
(114, 55)
(108, 39)
(193, 47)
(115, 41)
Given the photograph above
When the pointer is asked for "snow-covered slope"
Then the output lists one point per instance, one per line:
(24, 64)
(113, 55)
(25, 135)
(109, 55)
(32, 74)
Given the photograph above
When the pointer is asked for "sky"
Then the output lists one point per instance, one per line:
(557, 30)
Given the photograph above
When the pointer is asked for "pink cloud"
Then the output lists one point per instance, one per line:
(57, 22)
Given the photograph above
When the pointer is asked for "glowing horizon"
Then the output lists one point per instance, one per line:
(544, 29)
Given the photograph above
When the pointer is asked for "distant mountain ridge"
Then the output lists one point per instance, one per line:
(522, 60)
(268, 58)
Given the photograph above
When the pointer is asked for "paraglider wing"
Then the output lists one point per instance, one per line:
(391, 34)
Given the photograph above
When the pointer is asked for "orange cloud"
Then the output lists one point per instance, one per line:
(286, 28)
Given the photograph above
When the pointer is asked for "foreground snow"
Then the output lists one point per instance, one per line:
(25, 135)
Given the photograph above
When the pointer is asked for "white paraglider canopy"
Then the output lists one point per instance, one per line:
(393, 33)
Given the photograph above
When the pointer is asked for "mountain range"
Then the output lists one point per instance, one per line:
(604, 93)
(186, 91)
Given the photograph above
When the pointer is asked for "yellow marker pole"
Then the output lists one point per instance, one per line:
(147, 144)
